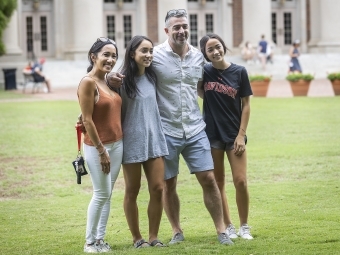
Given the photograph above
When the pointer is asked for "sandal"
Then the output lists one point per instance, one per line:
(141, 244)
(157, 243)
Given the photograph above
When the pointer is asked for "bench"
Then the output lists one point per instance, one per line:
(29, 79)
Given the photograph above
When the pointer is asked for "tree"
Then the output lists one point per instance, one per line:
(6, 9)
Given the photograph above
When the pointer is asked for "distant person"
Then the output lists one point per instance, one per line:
(100, 106)
(248, 53)
(262, 52)
(294, 53)
(269, 53)
(28, 68)
(144, 140)
(38, 75)
(226, 111)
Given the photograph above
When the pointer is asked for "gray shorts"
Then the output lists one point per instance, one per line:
(222, 145)
(195, 151)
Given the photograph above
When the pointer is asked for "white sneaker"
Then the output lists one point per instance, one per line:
(93, 248)
(231, 231)
(244, 232)
(103, 246)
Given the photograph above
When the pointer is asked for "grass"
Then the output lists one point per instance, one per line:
(293, 172)
(12, 94)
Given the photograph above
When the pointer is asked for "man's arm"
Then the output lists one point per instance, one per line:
(200, 89)
(115, 80)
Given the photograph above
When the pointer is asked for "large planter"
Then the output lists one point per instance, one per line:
(300, 87)
(260, 88)
(336, 87)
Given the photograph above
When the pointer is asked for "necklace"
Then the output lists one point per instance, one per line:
(220, 71)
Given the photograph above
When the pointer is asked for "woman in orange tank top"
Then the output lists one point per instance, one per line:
(103, 146)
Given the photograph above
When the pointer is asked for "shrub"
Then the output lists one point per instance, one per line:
(333, 76)
(259, 77)
(299, 76)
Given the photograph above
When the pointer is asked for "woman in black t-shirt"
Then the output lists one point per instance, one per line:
(226, 111)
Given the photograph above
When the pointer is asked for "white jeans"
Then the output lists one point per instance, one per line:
(99, 207)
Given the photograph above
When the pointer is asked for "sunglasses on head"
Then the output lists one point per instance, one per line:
(175, 13)
(104, 39)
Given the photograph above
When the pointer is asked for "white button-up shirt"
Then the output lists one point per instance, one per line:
(177, 90)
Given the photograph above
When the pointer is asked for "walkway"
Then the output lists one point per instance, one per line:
(65, 75)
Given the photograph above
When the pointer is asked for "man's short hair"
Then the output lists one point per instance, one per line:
(178, 13)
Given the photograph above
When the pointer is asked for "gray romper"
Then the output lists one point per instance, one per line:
(141, 123)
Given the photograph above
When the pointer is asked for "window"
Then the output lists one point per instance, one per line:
(29, 34)
(274, 26)
(43, 32)
(113, 1)
(209, 23)
(127, 29)
(193, 30)
(111, 27)
(287, 28)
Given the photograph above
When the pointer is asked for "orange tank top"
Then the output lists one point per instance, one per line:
(107, 118)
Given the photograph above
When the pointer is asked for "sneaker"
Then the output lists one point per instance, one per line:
(177, 238)
(224, 239)
(104, 247)
(244, 232)
(92, 248)
(231, 231)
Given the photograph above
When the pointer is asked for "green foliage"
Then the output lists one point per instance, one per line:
(6, 9)
(333, 76)
(293, 179)
(299, 76)
(259, 77)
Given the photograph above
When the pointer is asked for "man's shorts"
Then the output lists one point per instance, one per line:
(195, 151)
(224, 146)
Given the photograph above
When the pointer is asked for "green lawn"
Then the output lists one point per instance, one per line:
(293, 172)
(13, 94)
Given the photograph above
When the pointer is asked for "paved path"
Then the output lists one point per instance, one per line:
(277, 88)
(65, 75)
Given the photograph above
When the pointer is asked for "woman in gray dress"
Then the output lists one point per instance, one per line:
(144, 140)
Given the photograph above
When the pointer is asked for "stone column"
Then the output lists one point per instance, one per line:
(314, 25)
(256, 21)
(141, 15)
(302, 28)
(325, 24)
(11, 36)
(329, 26)
(87, 25)
(225, 14)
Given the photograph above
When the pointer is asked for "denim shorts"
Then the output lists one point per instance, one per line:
(195, 150)
(222, 145)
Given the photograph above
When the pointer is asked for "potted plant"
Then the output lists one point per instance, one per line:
(335, 80)
(299, 83)
(259, 84)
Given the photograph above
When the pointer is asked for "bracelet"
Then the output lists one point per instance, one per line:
(101, 153)
(243, 130)
(100, 143)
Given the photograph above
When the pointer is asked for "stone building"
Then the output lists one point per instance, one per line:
(66, 29)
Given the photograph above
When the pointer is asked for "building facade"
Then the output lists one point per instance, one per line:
(66, 29)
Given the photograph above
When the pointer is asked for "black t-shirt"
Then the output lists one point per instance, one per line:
(222, 105)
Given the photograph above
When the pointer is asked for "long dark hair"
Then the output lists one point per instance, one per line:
(205, 39)
(130, 68)
(97, 47)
